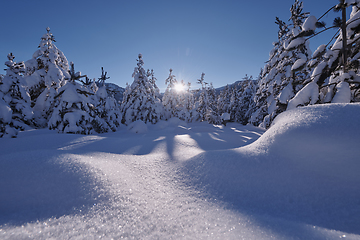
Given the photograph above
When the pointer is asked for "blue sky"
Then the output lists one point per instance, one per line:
(224, 39)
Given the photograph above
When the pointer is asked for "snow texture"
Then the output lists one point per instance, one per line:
(298, 180)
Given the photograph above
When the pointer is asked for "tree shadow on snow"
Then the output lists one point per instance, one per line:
(207, 137)
(219, 137)
(41, 185)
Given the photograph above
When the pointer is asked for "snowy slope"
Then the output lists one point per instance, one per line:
(173, 180)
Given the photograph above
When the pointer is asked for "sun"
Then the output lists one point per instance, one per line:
(179, 87)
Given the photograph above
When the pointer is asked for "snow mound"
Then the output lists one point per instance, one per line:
(42, 185)
(299, 180)
(138, 127)
(305, 168)
(174, 122)
(316, 125)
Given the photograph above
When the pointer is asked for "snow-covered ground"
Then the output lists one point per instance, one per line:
(172, 180)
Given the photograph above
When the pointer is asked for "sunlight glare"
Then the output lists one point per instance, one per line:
(179, 87)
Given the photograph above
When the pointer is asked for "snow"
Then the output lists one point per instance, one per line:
(343, 94)
(286, 94)
(295, 43)
(138, 127)
(299, 64)
(352, 23)
(350, 2)
(298, 180)
(309, 24)
(101, 92)
(225, 116)
(307, 95)
(319, 51)
(5, 111)
(318, 71)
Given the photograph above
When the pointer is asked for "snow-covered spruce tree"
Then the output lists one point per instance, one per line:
(107, 112)
(206, 105)
(13, 88)
(234, 103)
(335, 77)
(223, 100)
(285, 72)
(187, 102)
(73, 111)
(140, 101)
(46, 72)
(212, 115)
(201, 105)
(245, 100)
(152, 79)
(7, 128)
(170, 99)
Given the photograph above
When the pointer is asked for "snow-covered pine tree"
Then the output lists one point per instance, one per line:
(46, 72)
(13, 88)
(285, 71)
(170, 99)
(335, 76)
(139, 101)
(73, 111)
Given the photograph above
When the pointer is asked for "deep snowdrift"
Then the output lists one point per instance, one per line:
(299, 180)
(306, 168)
